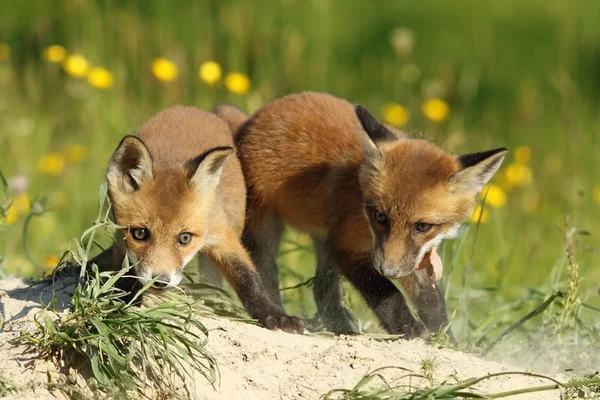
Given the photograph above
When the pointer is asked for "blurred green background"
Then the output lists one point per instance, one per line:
(77, 75)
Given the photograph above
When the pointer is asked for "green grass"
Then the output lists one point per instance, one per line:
(513, 73)
(128, 349)
(375, 386)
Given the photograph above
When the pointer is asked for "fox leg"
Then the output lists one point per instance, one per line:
(328, 292)
(427, 300)
(380, 294)
(262, 237)
(235, 264)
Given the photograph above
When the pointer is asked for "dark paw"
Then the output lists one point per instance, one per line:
(414, 331)
(284, 323)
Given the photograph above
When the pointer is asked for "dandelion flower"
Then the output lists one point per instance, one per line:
(51, 260)
(436, 109)
(100, 78)
(531, 202)
(518, 174)
(51, 164)
(21, 204)
(210, 72)
(76, 65)
(237, 83)
(494, 195)
(54, 54)
(480, 214)
(75, 153)
(4, 52)
(395, 114)
(164, 69)
(523, 154)
(11, 216)
(596, 194)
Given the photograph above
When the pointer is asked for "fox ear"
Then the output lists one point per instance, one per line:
(205, 170)
(477, 169)
(376, 130)
(130, 165)
(233, 116)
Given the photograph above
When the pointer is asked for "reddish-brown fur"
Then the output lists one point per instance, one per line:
(178, 176)
(308, 162)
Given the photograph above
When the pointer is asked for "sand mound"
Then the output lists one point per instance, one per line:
(259, 364)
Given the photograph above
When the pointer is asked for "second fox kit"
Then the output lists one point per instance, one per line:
(178, 189)
(375, 203)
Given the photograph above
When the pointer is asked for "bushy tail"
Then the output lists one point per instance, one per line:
(233, 116)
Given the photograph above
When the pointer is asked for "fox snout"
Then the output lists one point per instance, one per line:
(397, 270)
(163, 280)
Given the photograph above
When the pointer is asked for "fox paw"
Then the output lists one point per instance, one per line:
(284, 323)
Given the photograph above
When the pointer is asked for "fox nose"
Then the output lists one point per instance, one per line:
(162, 281)
(389, 271)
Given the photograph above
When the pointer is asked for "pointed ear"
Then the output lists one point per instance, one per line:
(130, 165)
(477, 169)
(233, 116)
(375, 129)
(205, 170)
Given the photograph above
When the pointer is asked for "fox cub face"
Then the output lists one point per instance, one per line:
(415, 194)
(163, 207)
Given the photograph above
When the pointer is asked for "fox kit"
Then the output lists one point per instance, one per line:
(375, 203)
(178, 189)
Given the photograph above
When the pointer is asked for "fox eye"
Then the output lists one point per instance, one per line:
(185, 238)
(140, 234)
(423, 226)
(380, 217)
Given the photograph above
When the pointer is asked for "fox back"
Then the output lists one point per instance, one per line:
(330, 168)
(174, 190)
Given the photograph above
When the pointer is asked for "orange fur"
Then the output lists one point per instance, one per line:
(308, 161)
(179, 177)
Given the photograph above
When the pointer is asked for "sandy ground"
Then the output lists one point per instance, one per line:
(259, 364)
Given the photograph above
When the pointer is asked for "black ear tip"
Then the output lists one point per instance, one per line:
(130, 140)
(361, 112)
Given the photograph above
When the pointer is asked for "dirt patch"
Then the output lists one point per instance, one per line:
(261, 364)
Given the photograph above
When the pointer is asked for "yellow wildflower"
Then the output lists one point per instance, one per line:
(76, 65)
(4, 52)
(395, 114)
(480, 215)
(237, 83)
(531, 202)
(100, 78)
(11, 215)
(51, 164)
(435, 109)
(75, 153)
(51, 260)
(523, 154)
(518, 174)
(54, 54)
(494, 195)
(596, 194)
(210, 72)
(21, 204)
(164, 69)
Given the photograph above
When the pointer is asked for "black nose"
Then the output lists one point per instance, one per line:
(162, 281)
